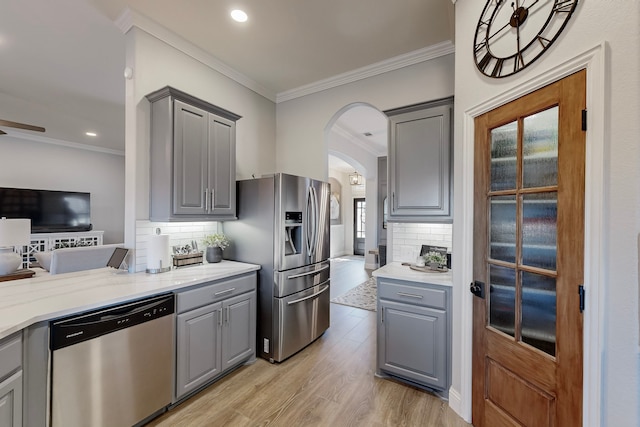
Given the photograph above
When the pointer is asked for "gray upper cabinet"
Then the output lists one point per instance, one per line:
(419, 162)
(193, 158)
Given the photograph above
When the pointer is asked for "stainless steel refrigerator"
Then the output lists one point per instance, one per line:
(283, 225)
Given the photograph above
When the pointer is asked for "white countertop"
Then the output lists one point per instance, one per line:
(396, 270)
(24, 302)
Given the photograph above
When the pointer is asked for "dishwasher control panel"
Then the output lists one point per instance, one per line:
(82, 327)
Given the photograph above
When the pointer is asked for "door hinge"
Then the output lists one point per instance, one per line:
(581, 292)
(584, 119)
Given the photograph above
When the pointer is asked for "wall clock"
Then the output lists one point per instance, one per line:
(512, 34)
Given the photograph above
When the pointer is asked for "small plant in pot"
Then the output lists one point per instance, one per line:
(435, 260)
(215, 244)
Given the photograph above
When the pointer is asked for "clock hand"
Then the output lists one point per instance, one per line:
(496, 33)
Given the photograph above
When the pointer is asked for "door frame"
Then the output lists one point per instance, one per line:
(594, 61)
(356, 200)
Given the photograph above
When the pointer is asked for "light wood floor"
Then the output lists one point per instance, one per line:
(330, 383)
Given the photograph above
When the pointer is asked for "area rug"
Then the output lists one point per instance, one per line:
(362, 296)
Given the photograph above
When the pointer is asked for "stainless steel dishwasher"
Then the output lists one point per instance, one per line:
(112, 367)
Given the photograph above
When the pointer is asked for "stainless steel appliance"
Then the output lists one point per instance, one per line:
(283, 225)
(112, 367)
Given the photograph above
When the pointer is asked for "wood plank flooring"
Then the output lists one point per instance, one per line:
(329, 383)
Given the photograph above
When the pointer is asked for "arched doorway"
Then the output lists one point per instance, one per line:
(356, 136)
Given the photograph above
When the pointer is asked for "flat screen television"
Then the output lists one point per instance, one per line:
(49, 211)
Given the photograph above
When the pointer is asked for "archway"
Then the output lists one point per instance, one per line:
(357, 136)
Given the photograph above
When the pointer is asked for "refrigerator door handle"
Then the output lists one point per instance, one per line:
(308, 273)
(296, 301)
(311, 222)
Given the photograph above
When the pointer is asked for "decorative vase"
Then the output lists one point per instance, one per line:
(214, 254)
(434, 265)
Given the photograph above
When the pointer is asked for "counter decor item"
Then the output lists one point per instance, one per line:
(215, 244)
(13, 232)
(435, 260)
(187, 255)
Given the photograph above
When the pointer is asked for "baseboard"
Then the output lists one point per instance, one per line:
(455, 403)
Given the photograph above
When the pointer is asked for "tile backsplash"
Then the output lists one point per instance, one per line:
(408, 239)
(180, 233)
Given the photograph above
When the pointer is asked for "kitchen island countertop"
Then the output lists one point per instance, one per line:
(396, 270)
(44, 297)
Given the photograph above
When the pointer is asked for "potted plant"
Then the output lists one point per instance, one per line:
(215, 244)
(435, 260)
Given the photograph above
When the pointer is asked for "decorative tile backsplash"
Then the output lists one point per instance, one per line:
(180, 233)
(408, 239)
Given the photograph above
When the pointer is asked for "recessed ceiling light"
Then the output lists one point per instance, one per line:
(239, 15)
(91, 134)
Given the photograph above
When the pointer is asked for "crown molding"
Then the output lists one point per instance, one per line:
(53, 141)
(395, 63)
(131, 18)
(356, 140)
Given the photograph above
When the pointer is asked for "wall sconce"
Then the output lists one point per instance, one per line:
(355, 179)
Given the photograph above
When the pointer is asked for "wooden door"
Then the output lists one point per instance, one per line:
(528, 259)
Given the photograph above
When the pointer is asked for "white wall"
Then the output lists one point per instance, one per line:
(157, 64)
(594, 22)
(31, 164)
(301, 122)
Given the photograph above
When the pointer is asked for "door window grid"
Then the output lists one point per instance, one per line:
(522, 214)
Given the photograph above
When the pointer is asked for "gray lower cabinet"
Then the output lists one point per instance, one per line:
(11, 381)
(420, 162)
(216, 337)
(192, 158)
(413, 333)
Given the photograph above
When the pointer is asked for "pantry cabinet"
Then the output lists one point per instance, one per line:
(420, 162)
(192, 159)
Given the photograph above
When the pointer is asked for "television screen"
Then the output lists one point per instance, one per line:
(49, 211)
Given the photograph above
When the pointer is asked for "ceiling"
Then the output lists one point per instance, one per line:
(63, 61)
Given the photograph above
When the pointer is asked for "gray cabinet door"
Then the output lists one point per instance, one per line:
(222, 166)
(192, 158)
(190, 166)
(198, 347)
(419, 178)
(239, 329)
(412, 343)
(11, 401)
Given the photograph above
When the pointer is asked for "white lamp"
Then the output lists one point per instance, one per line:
(13, 232)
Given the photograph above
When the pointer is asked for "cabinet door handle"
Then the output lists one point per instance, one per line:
(381, 314)
(228, 314)
(226, 291)
(206, 200)
(393, 201)
(403, 294)
(212, 200)
(220, 317)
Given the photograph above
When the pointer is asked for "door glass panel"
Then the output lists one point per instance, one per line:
(504, 147)
(539, 311)
(503, 228)
(540, 149)
(539, 230)
(360, 218)
(502, 299)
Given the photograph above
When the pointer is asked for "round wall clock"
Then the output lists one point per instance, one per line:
(512, 34)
